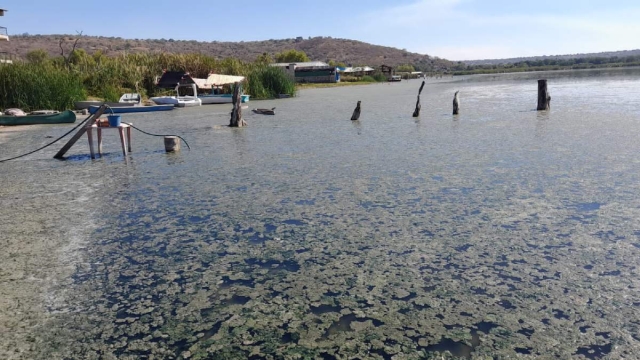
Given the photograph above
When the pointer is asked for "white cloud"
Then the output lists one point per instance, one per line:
(446, 28)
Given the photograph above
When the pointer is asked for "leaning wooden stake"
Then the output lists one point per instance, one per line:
(416, 112)
(356, 112)
(236, 113)
(78, 135)
(456, 104)
(544, 99)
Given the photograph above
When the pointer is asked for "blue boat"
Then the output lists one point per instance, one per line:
(132, 109)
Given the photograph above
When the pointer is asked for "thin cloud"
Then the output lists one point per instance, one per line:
(448, 29)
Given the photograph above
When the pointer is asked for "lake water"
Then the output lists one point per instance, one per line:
(501, 232)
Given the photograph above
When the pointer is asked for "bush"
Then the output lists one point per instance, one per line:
(267, 82)
(39, 87)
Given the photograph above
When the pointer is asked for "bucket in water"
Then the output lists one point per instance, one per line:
(114, 120)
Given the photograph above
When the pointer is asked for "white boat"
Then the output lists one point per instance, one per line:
(179, 101)
(220, 99)
(125, 100)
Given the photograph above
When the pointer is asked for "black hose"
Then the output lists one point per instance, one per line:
(144, 132)
(49, 144)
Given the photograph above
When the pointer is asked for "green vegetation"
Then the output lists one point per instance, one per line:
(55, 83)
(38, 86)
(549, 64)
(292, 56)
(405, 68)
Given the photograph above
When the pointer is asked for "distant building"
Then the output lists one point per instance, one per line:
(311, 72)
(5, 57)
(357, 71)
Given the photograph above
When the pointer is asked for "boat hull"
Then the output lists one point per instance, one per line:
(133, 109)
(182, 101)
(81, 105)
(65, 117)
(221, 99)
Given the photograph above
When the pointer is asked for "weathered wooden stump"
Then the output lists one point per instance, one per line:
(236, 113)
(171, 143)
(356, 112)
(416, 112)
(456, 104)
(544, 99)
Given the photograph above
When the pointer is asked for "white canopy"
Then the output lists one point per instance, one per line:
(217, 79)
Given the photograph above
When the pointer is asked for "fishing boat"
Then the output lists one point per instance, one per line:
(179, 101)
(130, 99)
(132, 109)
(66, 117)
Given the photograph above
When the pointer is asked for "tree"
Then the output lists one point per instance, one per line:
(38, 56)
(405, 68)
(292, 56)
(264, 59)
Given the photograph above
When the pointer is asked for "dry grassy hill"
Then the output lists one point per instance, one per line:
(318, 48)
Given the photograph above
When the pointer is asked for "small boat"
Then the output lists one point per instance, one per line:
(179, 101)
(221, 98)
(265, 111)
(66, 117)
(130, 99)
(132, 109)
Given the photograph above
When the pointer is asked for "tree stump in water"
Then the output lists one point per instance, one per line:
(544, 99)
(416, 112)
(356, 112)
(236, 112)
(456, 103)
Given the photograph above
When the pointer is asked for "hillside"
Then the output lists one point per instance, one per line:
(317, 48)
(608, 54)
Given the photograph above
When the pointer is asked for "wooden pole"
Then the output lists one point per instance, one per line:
(416, 112)
(236, 113)
(171, 143)
(544, 99)
(356, 112)
(456, 103)
(78, 135)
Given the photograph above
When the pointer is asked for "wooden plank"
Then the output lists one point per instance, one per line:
(78, 135)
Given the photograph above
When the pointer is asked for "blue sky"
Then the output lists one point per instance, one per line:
(451, 29)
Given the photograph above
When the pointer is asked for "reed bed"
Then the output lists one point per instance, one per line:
(55, 83)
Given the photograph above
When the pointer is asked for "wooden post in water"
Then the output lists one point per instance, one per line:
(544, 99)
(456, 103)
(236, 112)
(416, 112)
(356, 112)
(171, 143)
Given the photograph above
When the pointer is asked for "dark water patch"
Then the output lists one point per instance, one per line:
(411, 296)
(486, 326)
(427, 233)
(440, 316)
(332, 294)
(213, 330)
(421, 307)
(507, 304)
(523, 351)
(457, 349)
(404, 311)
(327, 356)
(287, 265)
(342, 325)
(323, 309)
(609, 236)
(559, 314)
(637, 245)
(501, 264)
(381, 353)
(227, 282)
(481, 291)
(605, 335)
(527, 332)
(611, 273)
(294, 222)
(270, 228)
(509, 277)
(429, 289)
(236, 300)
(290, 337)
(595, 351)
(587, 207)
(588, 267)
(302, 251)
(306, 202)
(463, 248)
(466, 314)
(546, 321)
